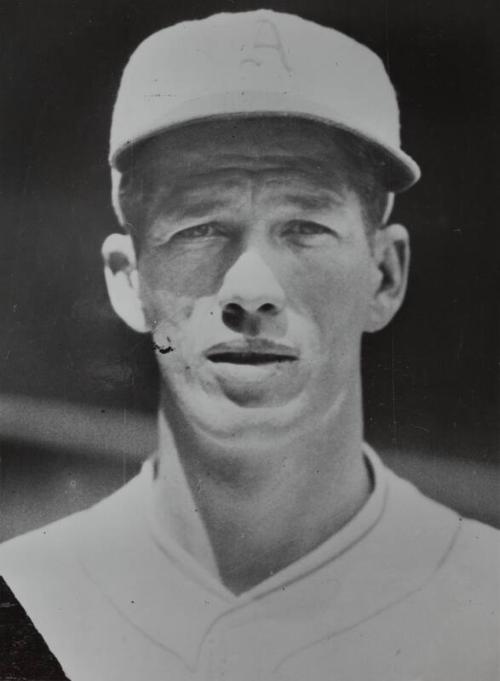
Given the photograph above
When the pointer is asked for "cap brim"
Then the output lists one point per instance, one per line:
(399, 171)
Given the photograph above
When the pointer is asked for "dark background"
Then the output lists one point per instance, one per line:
(76, 387)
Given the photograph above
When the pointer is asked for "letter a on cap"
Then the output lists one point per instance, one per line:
(266, 38)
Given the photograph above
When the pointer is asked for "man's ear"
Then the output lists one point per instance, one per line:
(391, 253)
(122, 280)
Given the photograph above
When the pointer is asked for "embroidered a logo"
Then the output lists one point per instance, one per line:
(266, 49)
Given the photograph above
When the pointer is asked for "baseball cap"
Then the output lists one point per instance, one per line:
(258, 63)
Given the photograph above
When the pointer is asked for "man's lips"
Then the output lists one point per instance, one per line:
(251, 352)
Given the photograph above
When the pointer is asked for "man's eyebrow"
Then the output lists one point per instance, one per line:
(186, 206)
(314, 200)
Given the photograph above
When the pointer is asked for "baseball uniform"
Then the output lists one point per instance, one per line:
(406, 591)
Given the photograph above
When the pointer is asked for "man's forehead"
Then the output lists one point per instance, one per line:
(253, 144)
(203, 192)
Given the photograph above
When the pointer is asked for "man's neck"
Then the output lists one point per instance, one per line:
(244, 518)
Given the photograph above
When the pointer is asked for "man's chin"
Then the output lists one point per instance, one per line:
(246, 426)
(242, 413)
(227, 400)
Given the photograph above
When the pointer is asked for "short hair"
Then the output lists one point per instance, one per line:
(364, 168)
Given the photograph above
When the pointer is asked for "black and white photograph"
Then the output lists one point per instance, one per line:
(249, 359)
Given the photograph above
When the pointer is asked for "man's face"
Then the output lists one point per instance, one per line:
(256, 275)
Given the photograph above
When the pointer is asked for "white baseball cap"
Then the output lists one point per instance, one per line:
(257, 63)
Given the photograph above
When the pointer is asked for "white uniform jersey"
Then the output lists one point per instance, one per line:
(406, 591)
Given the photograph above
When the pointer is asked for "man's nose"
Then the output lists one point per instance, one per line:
(251, 286)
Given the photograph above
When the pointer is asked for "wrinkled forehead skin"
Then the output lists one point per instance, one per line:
(309, 152)
(248, 143)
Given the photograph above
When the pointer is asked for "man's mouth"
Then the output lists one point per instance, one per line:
(253, 353)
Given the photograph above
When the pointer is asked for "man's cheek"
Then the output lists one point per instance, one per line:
(168, 315)
(312, 295)
(192, 274)
(334, 304)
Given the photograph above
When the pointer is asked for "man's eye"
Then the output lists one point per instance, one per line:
(204, 231)
(307, 230)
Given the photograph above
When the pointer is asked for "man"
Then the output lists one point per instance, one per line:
(255, 158)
